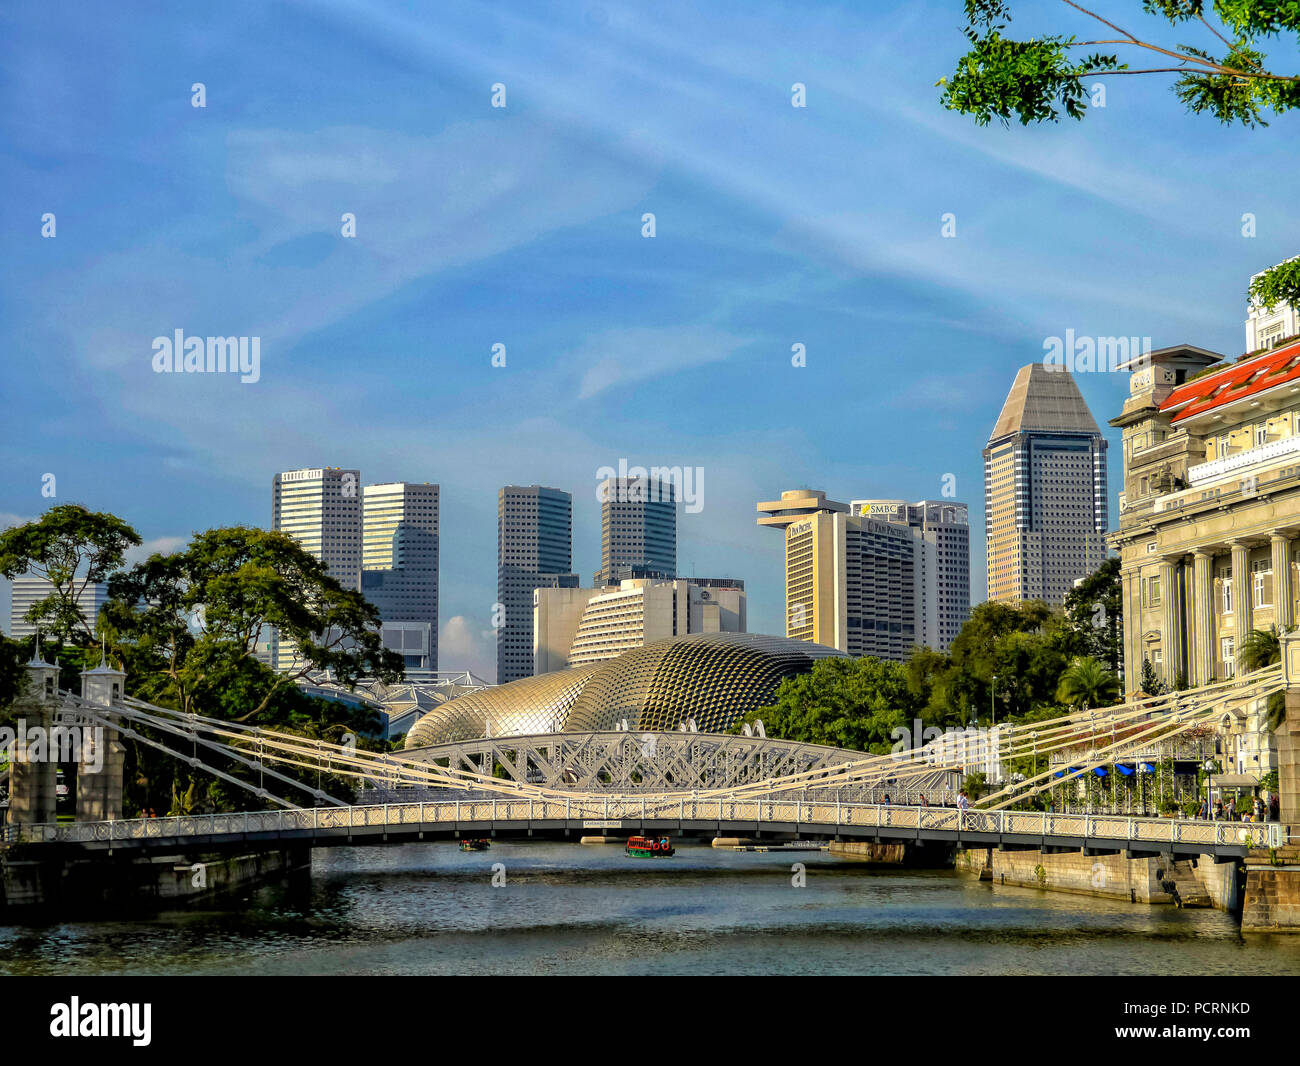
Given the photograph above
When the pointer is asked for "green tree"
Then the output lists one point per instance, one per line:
(72, 548)
(1016, 644)
(195, 617)
(1087, 683)
(1151, 683)
(1226, 75)
(13, 654)
(1262, 648)
(1035, 80)
(1094, 619)
(847, 703)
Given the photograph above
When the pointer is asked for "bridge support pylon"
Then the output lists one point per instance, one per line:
(34, 770)
(100, 771)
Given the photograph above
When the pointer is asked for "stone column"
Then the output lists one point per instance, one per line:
(1242, 611)
(1282, 610)
(1171, 621)
(34, 766)
(1203, 615)
(100, 771)
(1288, 735)
(1132, 633)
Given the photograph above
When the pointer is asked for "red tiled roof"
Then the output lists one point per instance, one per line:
(1234, 383)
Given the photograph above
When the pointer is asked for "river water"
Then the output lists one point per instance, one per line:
(570, 909)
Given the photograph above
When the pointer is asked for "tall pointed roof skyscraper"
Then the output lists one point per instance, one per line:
(1045, 495)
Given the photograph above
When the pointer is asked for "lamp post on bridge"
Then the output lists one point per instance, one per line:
(1208, 768)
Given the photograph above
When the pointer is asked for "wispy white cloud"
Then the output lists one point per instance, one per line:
(621, 357)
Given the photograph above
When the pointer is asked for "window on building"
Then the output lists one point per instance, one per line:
(1226, 647)
(1261, 583)
(1153, 592)
(1225, 587)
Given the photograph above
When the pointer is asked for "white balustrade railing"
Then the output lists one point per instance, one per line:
(805, 815)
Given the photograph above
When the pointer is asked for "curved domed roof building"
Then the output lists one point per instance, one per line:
(537, 704)
(714, 679)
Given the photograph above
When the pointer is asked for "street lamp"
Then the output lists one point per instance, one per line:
(993, 699)
(1208, 767)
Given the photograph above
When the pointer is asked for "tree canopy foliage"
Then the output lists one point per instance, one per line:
(1034, 80)
(195, 618)
(1028, 648)
(1226, 74)
(846, 703)
(73, 548)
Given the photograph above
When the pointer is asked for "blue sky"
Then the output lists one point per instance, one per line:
(522, 226)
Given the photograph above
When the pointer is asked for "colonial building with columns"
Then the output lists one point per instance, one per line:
(1210, 513)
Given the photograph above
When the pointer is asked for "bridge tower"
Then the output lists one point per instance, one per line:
(100, 772)
(33, 785)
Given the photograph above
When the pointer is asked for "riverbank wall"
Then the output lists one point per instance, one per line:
(1158, 879)
(1272, 903)
(156, 882)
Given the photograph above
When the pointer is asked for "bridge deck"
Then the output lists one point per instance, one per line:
(775, 818)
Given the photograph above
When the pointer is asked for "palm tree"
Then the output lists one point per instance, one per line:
(1261, 648)
(1087, 683)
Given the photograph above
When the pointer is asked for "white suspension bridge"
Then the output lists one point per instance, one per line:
(689, 784)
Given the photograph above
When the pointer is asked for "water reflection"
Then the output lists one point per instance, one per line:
(428, 909)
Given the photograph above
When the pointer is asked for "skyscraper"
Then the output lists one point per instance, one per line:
(321, 510)
(29, 589)
(1045, 499)
(876, 577)
(638, 528)
(534, 550)
(941, 529)
(400, 567)
(851, 584)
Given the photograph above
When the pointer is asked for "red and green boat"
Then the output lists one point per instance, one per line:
(650, 847)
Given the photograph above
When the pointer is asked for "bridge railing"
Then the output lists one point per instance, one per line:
(810, 817)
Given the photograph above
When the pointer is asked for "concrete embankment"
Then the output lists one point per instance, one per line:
(75, 884)
(1197, 882)
(1272, 891)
